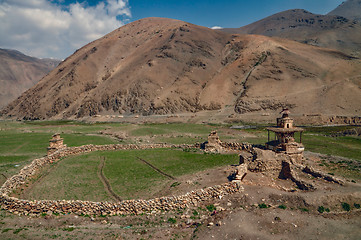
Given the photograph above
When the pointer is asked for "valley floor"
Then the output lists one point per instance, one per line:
(267, 209)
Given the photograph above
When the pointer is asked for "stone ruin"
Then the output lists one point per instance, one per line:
(213, 144)
(55, 143)
(285, 137)
(281, 158)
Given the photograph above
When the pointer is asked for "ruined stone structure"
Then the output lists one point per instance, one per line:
(55, 143)
(213, 144)
(284, 136)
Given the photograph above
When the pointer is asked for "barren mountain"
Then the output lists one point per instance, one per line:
(19, 72)
(328, 31)
(350, 9)
(164, 66)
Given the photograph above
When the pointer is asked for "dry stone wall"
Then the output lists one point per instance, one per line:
(34, 207)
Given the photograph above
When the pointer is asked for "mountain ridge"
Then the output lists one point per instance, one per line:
(158, 66)
(327, 31)
(19, 72)
(350, 9)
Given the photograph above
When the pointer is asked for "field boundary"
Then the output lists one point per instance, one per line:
(123, 207)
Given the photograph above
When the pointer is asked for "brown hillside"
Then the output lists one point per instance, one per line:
(327, 31)
(350, 9)
(19, 72)
(163, 66)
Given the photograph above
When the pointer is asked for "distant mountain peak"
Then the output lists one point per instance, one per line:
(350, 9)
(19, 72)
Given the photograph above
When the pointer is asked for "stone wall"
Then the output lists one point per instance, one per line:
(31, 207)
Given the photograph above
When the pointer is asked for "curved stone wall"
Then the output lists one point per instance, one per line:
(20, 206)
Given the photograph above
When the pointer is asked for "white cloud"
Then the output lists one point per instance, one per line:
(216, 27)
(43, 29)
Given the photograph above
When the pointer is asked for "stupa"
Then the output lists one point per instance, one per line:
(284, 136)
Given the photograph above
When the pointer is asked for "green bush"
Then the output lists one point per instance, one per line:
(346, 206)
(172, 220)
(16, 231)
(69, 229)
(175, 184)
(282, 206)
(304, 209)
(211, 208)
(356, 205)
(321, 209)
(263, 205)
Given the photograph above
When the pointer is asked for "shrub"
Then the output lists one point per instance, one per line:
(211, 208)
(16, 231)
(356, 205)
(69, 229)
(282, 206)
(304, 209)
(172, 220)
(175, 184)
(346, 206)
(321, 209)
(263, 205)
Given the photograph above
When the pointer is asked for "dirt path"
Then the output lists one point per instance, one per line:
(105, 181)
(157, 169)
(18, 147)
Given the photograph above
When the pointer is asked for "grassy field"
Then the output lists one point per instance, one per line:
(77, 177)
(70, 179)
(21, 142)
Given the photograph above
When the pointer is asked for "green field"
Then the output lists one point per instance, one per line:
(21, 142)
(77, 177)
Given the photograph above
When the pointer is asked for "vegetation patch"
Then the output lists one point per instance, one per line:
(346, 206)
(263, 205)
(322, 209)
(77, 177)
(211, 208)
(172, 220)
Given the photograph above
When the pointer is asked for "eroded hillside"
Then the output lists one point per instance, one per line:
(164, 66)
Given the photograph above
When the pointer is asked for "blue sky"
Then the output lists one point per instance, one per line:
(227, 13)
(56, 28)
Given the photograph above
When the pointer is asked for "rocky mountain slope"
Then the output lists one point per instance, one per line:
(328, 31)
(19, 72)
(164, 66)
(350, 9)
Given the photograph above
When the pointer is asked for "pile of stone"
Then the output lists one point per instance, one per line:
(215, 145)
